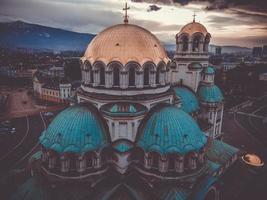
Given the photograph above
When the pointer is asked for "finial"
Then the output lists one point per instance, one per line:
(125, 15)
(194, 16)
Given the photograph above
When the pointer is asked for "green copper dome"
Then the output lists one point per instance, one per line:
(209, 70)
(210, 94)
(171, 130)
(76, 129)
(189, 102)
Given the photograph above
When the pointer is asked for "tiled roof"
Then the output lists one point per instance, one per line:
(171, 130)
(76, 129)
(188, 99)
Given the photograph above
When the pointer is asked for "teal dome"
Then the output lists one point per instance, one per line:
(171, 130)
(209, 70)
(76, 129)
(210, 94)
(189, 101)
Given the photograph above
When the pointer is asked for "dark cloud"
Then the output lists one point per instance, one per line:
(153, 7)
(245, 6)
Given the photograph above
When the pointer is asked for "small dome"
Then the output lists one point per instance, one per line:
(252, 159)
(170, 130)
(189, 102)
(125, 43)
(209, 70)
(210, 94)
(193, 27)
(76, 129)
(195, 66)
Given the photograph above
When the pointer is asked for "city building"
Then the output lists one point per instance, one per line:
(257, 51)
(135, 131)
(218, 51)
(16, 72)
(50, 85)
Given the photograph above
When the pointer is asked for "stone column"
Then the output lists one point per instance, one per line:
(81, 164)
(179, 164)
(162, 77)
(152, 79)
(109, 80)
(64, 164)
(97, 161)
(123, 79)
(147, 161)
(163, 163)
(51, 162)
(139, 79)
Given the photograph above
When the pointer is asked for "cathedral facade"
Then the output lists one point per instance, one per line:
(144, 126)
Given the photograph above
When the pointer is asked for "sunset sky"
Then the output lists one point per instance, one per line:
(230, 22)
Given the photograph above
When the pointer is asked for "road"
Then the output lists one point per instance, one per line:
(36, 126)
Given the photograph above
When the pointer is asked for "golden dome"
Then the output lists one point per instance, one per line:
(253, 160)
(124, 43)
(193, 27)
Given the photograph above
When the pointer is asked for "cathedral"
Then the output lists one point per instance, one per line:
(143, 126)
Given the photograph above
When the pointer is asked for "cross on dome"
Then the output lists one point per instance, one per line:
(194, 16)
(126, 8)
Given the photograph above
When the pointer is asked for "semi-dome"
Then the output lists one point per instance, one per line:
(192, 28)
(210, 94)
(125, 43)
(170, 130)
(77, 129)
(189, 101)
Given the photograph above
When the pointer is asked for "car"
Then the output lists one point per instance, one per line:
(48, 114)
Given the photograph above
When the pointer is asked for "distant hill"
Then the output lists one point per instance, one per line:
(231, 49)
(19, 34)
(225, 49)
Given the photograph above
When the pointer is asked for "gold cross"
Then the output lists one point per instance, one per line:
(126, 16)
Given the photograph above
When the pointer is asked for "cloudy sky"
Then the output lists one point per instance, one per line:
(230, 22)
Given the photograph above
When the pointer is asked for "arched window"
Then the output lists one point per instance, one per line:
(185, 43)
(102, 75)
(206, 44)
(196, 42)
(132, 76)
(211, 195)
(116, 76)
(146, 75)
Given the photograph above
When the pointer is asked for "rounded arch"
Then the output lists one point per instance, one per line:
(116, 68)
(87, 65)
(184, 41)
(197, 39)
(132, 67)
(100, 66)
(211, 194)
(148, 67)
